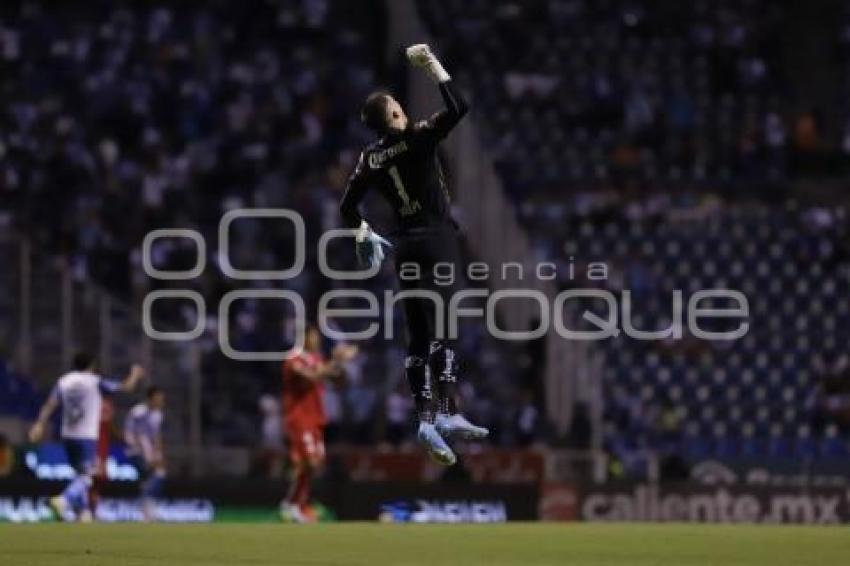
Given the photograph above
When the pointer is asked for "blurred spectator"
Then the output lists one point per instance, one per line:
(270, 455)
(528, 419)
(399, 414)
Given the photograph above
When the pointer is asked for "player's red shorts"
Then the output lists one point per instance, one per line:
(306, 445)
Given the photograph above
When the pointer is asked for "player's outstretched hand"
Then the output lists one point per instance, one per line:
(137, 372)
(345, 352)
(420, 55)
(370, 246)
(36, 432)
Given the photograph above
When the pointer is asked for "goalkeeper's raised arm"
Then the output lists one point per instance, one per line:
(422, 57)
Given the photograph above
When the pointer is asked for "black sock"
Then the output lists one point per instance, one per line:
(416, 372)
(443, 365)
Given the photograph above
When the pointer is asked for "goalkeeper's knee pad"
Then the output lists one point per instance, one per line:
(443, 362)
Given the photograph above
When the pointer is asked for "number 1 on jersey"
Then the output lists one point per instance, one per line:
(407, 207)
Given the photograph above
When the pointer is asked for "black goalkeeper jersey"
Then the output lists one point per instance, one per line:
(403, 166)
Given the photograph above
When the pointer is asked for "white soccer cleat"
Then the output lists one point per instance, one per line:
(60, 507)
(456, 426)
(435, 445)
(290, 513)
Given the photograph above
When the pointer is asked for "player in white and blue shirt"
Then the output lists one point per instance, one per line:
(143, 435)
(79, 393)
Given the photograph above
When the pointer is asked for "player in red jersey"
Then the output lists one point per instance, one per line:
(304, 417)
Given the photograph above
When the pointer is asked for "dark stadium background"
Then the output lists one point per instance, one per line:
(687, 145)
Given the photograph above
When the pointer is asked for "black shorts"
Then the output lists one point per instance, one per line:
(432, 253)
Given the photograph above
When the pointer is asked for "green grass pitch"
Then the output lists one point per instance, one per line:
(352, 544)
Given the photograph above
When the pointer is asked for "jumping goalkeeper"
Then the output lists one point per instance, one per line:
(402, 165)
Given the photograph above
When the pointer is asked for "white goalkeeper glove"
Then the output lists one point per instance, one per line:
(369, 245)
(420, 55)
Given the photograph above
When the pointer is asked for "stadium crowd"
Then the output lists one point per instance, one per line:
(121, 118)
(618, 139)
(645, 96)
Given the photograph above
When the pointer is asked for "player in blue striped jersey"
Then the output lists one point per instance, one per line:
(143, 435)
(79, 393)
